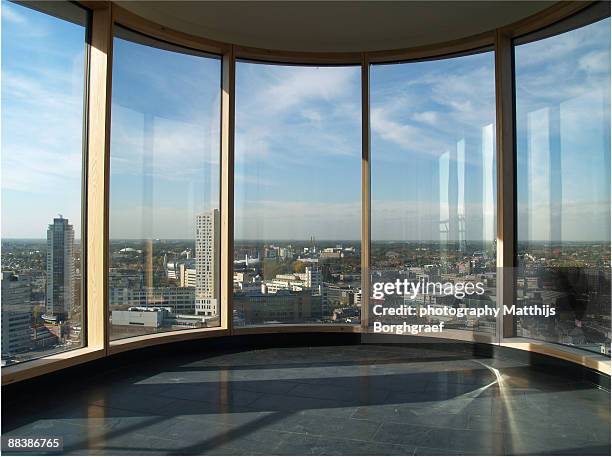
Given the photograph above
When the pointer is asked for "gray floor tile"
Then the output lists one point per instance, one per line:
(337, 400)
(322, 425)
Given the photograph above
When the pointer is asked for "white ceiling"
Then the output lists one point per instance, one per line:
(334, 26)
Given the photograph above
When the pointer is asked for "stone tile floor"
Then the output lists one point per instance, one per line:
(331, 400)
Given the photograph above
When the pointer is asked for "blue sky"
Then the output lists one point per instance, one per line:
(165, 128)
(563, 136)
(298, 140)
(298, 152)
(433, 149)
(42, 117)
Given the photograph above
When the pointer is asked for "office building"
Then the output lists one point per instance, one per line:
(16, 315)
(309, 280)
(60, 270)
(180, 300)
(280, 307)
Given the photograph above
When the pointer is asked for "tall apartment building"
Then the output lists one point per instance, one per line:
(60, 270)
(16, 314)
(207, 246)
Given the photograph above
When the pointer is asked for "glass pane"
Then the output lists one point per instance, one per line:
(297, 194)
(433, 190)
(43, 82)
(563, 186)
(164, 197)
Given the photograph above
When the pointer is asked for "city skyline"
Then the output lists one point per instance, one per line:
(41, 303)
(78, 241)
(150, 295)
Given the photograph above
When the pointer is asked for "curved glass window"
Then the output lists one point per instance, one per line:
(433, 187)
(43, 86)
(164, 181)
(297, 200)
(563, 186)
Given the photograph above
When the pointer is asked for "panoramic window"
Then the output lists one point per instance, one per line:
(563, 186)
(43, 86)
(164, 181)
(433, 188)
(297, 195)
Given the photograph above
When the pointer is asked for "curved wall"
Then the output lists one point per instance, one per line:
(165, 202)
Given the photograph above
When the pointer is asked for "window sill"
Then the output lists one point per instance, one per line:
(297, 328)
(135, 342)
(33, 368)
(55, 362)
(575, 355)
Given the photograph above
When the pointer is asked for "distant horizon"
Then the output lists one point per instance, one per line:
(329, 240)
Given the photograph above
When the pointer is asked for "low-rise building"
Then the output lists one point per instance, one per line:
(180, 300)
(155, 317)
(296, 282)
(143, 316)
(283, 307)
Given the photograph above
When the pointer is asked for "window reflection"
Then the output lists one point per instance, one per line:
(164, 201)
(433, 182)
(563, 185)
(297, 201)
(43, 84)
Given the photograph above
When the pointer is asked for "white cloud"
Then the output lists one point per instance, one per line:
(595, 62)
(296, 85)
(407, 136)
(10, 14)
(312, 115)
(42, 140)
(429, 113)
(426, 117)
(289, 109)
(563, 67)
(173, 150)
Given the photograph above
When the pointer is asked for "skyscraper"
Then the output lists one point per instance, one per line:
(207, 265)
(60, 270)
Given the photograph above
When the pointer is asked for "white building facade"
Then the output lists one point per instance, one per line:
(207, 247)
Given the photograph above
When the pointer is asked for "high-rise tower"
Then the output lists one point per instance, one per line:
(207, 245)
(60, 270)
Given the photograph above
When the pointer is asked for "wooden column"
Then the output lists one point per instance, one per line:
(227, 187)
(506, 177)
(365, 192)
(98, 145)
